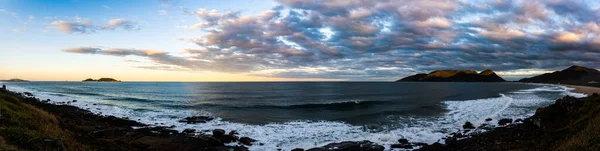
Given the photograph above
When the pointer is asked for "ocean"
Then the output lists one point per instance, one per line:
(288, 115)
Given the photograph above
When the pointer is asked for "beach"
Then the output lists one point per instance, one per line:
(583, 89)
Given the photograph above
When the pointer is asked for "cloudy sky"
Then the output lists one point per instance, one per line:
(288, 40)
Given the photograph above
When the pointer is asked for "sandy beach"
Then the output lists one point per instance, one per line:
(583, 89)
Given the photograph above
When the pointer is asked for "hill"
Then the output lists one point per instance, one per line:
(101, 80)
(573, 75)
(568, 124)
(14, 80)
(455, 76)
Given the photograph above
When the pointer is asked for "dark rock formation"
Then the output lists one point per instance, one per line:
(568, 124)
(247, 141)
(573, 75)
(350, 146)
(468, 125)
(505, 121)
(99, 132)
(455, 76)
(218, 133)
(196, 119)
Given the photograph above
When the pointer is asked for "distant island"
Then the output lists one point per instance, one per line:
(576, 75)
(454, 76)
(14, 80)
(101, 80)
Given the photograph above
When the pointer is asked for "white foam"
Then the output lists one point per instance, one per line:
(308, 134)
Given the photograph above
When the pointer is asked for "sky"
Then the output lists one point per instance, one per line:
(292, 40)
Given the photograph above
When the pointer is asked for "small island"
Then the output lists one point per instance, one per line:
(14, 80)
(454, 76)
(101, 80)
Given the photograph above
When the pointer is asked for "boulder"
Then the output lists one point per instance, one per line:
(189, 131)
(468, 125)
(28, 94)
(505, 121)
(349, 145)
(217, 133)
(247, 141)
(488, 119)
(403, 141)
(297, 149)
(196, 119)
(404, 146)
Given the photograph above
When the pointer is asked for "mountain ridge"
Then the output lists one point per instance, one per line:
(487, 75)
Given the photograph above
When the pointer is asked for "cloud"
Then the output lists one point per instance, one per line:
(387, 39)
(85, 26)
(162, 12)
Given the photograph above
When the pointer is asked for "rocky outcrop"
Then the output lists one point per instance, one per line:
(196, 119)
(347, 146)
(573, 75)
(568, 124)
(455, 76)
(112, 133)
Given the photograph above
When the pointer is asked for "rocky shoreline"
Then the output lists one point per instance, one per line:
(549, 128)
(91, 131)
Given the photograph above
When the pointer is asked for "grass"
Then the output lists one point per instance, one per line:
(586, 128)
(25, 127)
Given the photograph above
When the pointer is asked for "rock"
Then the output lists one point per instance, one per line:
(297, 149)
(196, 119)
(518, 120)
(468, 125)
(420, 144)
(3, 87)
(54, 144)
(505, 121)
(74, 101)
(247, 141)
(348, 145)
(233, 132)
(595, 95)
(189, 131)
(403, 141)
(217, 133)
(110, 132)
(405, 146)
(227, 138)
(488, 119)
(27, 94)
(240, 148)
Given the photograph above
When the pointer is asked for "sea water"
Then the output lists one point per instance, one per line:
(288, 115)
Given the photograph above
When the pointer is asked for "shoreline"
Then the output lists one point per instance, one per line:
(65, 127)
(583, 89)
(414, 144)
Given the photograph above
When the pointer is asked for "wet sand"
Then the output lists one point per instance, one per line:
(583, 89)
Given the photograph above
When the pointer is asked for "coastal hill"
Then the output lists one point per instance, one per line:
(568, 124)
(573, 75)
(14, 80)
(455, 76)
(101, 80)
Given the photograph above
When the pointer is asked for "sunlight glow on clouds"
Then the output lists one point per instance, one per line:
(380, 39)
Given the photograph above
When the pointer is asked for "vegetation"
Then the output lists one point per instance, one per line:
(101, 80)
(14, 80)
(455, 76)
(25, 127)
(575, 75)
(568, 124)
